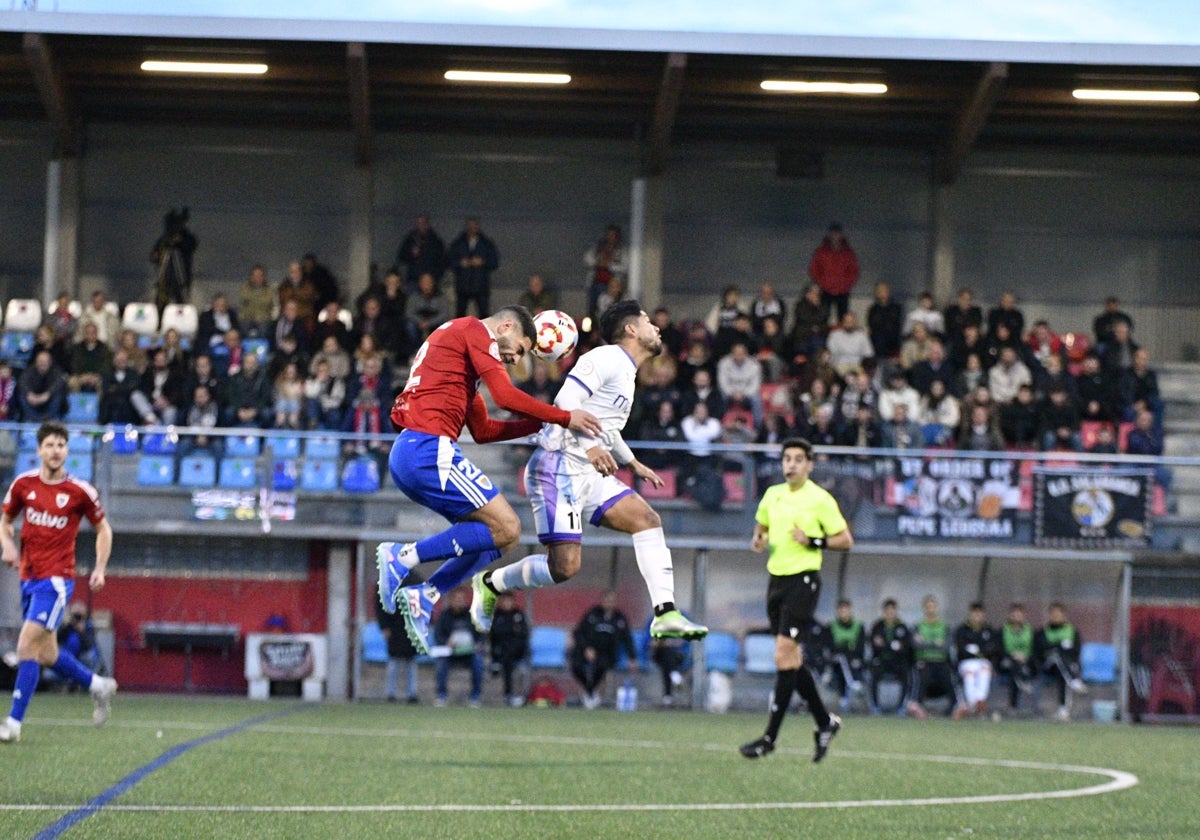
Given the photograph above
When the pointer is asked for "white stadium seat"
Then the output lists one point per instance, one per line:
(23, 315)
(181, 317)
(343, 315)
(142, 318)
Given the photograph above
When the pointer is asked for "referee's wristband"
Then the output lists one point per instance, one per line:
(816, 542)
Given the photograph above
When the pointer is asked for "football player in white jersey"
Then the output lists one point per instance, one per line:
(571, 478)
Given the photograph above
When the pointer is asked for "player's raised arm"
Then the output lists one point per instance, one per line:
(512, 398)
(486, 429)
(11, 556)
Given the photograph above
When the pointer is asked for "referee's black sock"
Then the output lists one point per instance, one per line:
(785, 684)
(807, 686)
(664, 607)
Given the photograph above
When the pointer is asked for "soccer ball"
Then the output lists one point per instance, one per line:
(555, 335)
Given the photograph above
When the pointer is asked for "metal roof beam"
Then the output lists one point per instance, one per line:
(56, 98)
(360, 102)
(665, 110)
(971, 121)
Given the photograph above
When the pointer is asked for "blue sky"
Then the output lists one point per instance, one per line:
(1062, 21)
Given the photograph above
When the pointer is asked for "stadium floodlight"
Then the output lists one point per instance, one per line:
(843, 88)
(221, 68)
(1166, 97)
(507, 78)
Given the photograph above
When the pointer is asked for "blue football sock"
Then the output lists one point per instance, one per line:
(458, 569)
(70, 668)
(28, 674)
(462, 539)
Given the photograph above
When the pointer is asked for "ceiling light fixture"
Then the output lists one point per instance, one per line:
(222, 68)
(490, 77)
(1160, 96)
(849, 88)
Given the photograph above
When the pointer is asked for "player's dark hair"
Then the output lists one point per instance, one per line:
(51, 428)
(976, 605)
(843, 602)
(797, 443)
(522, 316)
(613, 320)
(889, 602)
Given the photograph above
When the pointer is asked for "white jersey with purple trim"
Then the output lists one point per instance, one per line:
(602, 382)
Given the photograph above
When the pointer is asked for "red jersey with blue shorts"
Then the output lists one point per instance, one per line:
(52, 512)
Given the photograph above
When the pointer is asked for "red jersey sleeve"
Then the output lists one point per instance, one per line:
(485, 429)
(512, 398)
(14, 499)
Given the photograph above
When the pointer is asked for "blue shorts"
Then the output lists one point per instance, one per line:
(433, 472)
(45, 601)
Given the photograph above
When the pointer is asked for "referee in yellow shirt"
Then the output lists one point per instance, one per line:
(794, 522)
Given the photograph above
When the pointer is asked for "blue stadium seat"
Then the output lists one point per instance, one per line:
(284, 474)
(548, 647)
(16, 348)
(79, 465)
(156, 470)
(721, 652)
(80, 443)
(319, 475)
(27, 442)
(124, 440)
(1098, 662)
(374, 645)
(284, 446)
(321, 448)
(760, 653)
(237, 474)
(259, 347)
(160, 443)
(27, 460)
(242, 446)
(83, 407)
(361, 475)
(198, 470)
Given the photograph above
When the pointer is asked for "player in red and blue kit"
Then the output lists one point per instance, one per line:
(51, 504)
(440, 397)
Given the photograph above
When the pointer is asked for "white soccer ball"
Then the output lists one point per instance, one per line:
(555, 335)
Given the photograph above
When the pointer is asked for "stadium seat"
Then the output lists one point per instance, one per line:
(83, 407)
(80, 465)
(198, 471)
(124, 440)
(259, 347)
(27, 460)
(27, 441)
(374, 645)
(670, 487)
(721, 652)
(181, 317)
(237, 474)
(319, 475)
(1089, 432)
(284, 446)
(16, 348)
(548, 647)
(142, 318)
(343, 315)
(80, 442)
(1098, 662)
(735, 487)
(156, 470)
(1123, 431)
(321, 447)
(74, 307)
(360, 475)
(23, 315)
(242, 446)
(160, 443)
(760, 653)
(284, 474)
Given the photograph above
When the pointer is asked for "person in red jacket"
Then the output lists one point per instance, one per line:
(834, 268)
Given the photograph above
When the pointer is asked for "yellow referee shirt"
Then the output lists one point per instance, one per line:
(811, 509)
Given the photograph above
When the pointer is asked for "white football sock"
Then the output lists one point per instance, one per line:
(530, 572)
(654, 562)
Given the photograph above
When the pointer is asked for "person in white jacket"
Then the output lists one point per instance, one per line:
(849, 345)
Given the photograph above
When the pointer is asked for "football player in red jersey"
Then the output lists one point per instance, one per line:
(440, 397)
(51, 503)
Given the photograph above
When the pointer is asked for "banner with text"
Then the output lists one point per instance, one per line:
(971, 498)
(1091, 508)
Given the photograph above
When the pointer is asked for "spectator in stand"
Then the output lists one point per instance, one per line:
(1139, 390)
(421, 251)
(861, 430)
(820, 367)
(672, 336)
(774, 352)
(42, 390)
(138, 360)
(1044, 343)
(536, 297)
(541, 384)
(472, 257)
(661, 427)
(891, 654)
(934, 368)
(1103, 325)
(118, 385)
(849, 344)
(366, 351)
(933, 675)
(811, 322)
(249, 395)
(901, 432)
(1020, 420)
(612, 294)
(300, 288)
(428, 307)
(739, 378)
(256, 305)
(810, 403)
(940, 415)
(898, 391)
(509, 639)
(916, 347)
(287, 398)
(90, 360)
(725, 311)
(598, 640)
(971, 344)
(387, 331)
(1105, 442)
(1016, 654)
(177, 355)
(1052, 375)
(8, 392)
(60, 320)
(329, 323)
(43, 339)
(859, 391)
(291, 334)
(203, 413)
(1007, 375)
(925, 313)
(702, 390)
(961, 313)
(324, 395)
(976, 645)
(605, 260)
(322, 278)
(334, 356)
(454, 630)
(823, 429)
(979, 433)
(215, 321)
(766, 305)
(884, 321)
(1056, 650)
(1008, 314)
(659, 386)
(1145, 440)
(1119, 350)
(741, 331)
(159, 397)
(701, 430)
(834, 267)
(228, 355)
(996, 342)
(367, 394)
(1099, 397)
(202, 373)
(108, 323)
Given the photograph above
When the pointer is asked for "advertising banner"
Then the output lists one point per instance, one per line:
(1091, 508)
(968, 498)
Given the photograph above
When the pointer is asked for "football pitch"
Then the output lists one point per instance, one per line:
(176, 767)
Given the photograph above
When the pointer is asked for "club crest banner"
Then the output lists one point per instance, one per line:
(968, 498)
(1091, 508)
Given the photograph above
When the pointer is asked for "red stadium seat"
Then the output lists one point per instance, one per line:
(667, 491)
